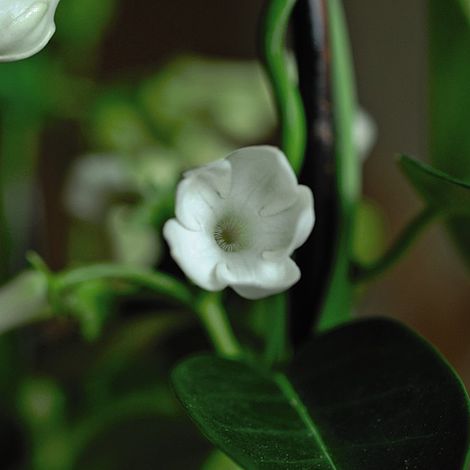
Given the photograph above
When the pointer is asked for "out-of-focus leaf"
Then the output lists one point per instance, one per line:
(81, 24)
(439, 190)
(135, 335)
(156, 170)
(466, 7)
(364, 396)
(117, 125)
(450, 101)
(42, 402)
(132, 354)
(40, 86)
(23, 300)
(91, 304)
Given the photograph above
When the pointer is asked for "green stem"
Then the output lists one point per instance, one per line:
(214, 318)
(288, 100)
(421, 221)
(337, 304)
(208, 306)
(158, 282)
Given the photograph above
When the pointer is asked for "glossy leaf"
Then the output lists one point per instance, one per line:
(367, 396)
(437, 188)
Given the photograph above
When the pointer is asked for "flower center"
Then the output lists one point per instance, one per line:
(231, 234)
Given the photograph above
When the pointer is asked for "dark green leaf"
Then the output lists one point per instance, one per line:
(438, 189)
(367, 396)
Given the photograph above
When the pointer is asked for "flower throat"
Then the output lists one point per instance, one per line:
(230, 234)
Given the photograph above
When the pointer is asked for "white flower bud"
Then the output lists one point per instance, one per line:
(238, 220)
(25, 27)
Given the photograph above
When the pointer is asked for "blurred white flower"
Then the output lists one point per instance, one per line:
(93, 182)
(25, 27)
(133, 240)
(364, 133)
(237, 222)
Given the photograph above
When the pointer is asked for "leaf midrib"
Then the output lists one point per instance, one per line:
(294, 400)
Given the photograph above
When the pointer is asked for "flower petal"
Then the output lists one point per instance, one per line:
(284, 232)
(254, 278)
(26, 28)
(263, 178)
(199, 195)
(196, 254)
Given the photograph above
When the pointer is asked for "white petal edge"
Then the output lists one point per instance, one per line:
(270, 278)
(303, 227)
(196, 254)
(199, 194)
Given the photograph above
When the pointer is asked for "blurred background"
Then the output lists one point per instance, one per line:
(94, 133)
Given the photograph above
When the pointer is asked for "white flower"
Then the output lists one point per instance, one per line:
(25, 27)
(238, 220)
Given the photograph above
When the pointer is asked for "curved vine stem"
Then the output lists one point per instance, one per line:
(293, 133)
(278, 66)
(415, 228)
(158, 282)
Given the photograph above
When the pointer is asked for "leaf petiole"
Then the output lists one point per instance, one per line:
(158, 282)
(214, 318)
(414, 228)
(288, 100)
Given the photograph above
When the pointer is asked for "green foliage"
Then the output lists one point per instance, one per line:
(446, 194)
(82, 25)
(219, 461)
(40, 86)
(364, 396)
(91, 305)
(24, 300)
(466, 7)
(450, 102)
